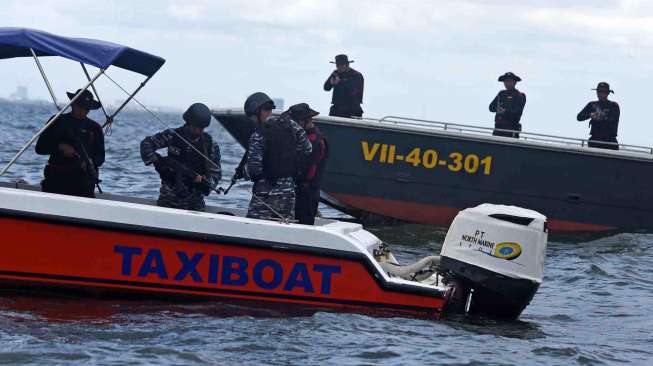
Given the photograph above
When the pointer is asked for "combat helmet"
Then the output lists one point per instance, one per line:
(254, 103)
(198, 115)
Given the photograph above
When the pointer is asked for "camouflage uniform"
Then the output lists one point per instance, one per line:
(277, 193)
(183, 197)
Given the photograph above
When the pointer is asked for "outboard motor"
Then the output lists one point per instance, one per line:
(493, 256)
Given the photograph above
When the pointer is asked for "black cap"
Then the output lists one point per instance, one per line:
(341, 60)
(509, 75)
(85, 100)
(301, 111)
(604, 87)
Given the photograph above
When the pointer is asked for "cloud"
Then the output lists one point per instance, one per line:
(188, 10)
(614, 27)
(434, 59)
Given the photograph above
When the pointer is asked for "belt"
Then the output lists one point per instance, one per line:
(63, 169)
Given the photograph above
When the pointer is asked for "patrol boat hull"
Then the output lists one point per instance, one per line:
(426, 173)
(110, 247)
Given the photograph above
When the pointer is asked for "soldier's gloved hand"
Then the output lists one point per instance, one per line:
(203, 187)
(158, 162)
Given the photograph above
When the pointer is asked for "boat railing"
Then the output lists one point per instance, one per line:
(483, 130)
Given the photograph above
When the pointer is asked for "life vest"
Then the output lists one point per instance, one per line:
(313, 166)
(181, 152)
(280, 155)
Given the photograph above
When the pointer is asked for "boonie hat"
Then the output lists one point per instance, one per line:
(604, 87)
(301, 111)
(342, 60)
(85, 100)
(509, 75)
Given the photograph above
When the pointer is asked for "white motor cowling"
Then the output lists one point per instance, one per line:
(495, 256)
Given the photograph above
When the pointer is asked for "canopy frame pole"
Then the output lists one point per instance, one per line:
(129, 98)
(45, 78)
(50, 122)
(88, 77)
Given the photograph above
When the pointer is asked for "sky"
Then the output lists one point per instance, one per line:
(437, 60)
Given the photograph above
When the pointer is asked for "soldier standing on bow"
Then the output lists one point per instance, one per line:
(347, 85)
(273, 159)
(508, 106)
(604, 119)
(191, 170)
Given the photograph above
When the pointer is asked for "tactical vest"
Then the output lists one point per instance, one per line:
(186, 155)
(280, 155)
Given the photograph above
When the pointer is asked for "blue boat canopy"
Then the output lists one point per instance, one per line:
(16, 42)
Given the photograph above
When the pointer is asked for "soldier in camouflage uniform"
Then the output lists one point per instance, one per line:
(272, 160)
(186, 175)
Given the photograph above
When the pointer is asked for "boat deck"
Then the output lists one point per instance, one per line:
(427, 171)
(466, 131)
(487, 131)
(150, 202)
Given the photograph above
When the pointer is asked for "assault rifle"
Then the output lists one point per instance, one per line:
(240, 172)
(600, 113)
(87, 163)
(182, 177)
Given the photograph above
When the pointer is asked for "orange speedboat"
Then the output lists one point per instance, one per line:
(491, 263)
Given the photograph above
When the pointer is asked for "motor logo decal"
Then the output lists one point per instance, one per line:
(479, 242)
(507, 250)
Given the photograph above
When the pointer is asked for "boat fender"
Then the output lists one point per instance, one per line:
(406, 271)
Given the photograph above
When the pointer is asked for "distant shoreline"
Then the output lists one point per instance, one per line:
(131, 107)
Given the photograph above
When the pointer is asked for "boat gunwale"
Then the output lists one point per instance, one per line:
(379, 124)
